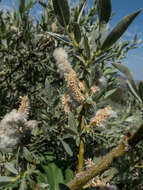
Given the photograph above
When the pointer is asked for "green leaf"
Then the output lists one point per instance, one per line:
(90, 101)
(30, 4)
(67, 148)
(59, 37)
(126, 71)
(54, 176)
(62, 11)
(141, 89)
(110, 173)
(81, 11)
(28, 156)
(3, 27)
(48, 88)
(110, 71)
(21, 6)
(4, 180)
(10, 166)
(72, 123)
(68, 175)
(104, 9)
(119, 29)
(86, 48)
(133, 91)
(77, 32)
(109, 93)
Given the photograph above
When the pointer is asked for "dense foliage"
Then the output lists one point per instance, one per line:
(67, 64)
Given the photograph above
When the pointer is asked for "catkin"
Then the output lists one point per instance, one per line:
(101, 117)
(73, 85)
(24, 106)
(65, 102)
(94, 89)
(69, 74)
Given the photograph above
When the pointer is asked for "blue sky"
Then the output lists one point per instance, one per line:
(121, 8)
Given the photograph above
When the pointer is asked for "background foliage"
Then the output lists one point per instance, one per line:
(29, 68)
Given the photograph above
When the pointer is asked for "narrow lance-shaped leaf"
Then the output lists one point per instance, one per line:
(72, 123)
(77, 32)
(21, 6)
(81, 11)
(141, 89)
(126, 71)
(4, 180)
(48, 88)
(118, 30)
(9, 166)
(104, 9)
(62, 11)
(62, 38)
(52, 170)
(67, 148)
(133, 92)
(27, 154)
(3, 27)
(69, 174)
(86, 48)
(30, 4)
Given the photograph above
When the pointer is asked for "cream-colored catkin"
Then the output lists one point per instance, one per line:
(11, 134)
(101, 117)
(82, 86)
(69, 74)
(94, 89)
(73, 85)
(64, 66)
(89, 163)
(24, 106)
(65, 99)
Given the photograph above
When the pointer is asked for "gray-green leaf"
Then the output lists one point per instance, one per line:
(28, 156)
(118, 30)
(62, 11)
(48, 88)
(10, 167)
(4, 180)
(52, 170)
(72, 123)
(21, 6)
(86, 48)
(126, 71)
(77, 32)
(104, 9)
(141, 89)
(81, 11)
(133, 91)
(109, 93)
(67, 148)
(59, 37)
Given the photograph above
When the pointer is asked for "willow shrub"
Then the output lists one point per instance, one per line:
(67, 63)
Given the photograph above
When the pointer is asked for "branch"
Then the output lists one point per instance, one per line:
(82, 178)
(81, 148)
